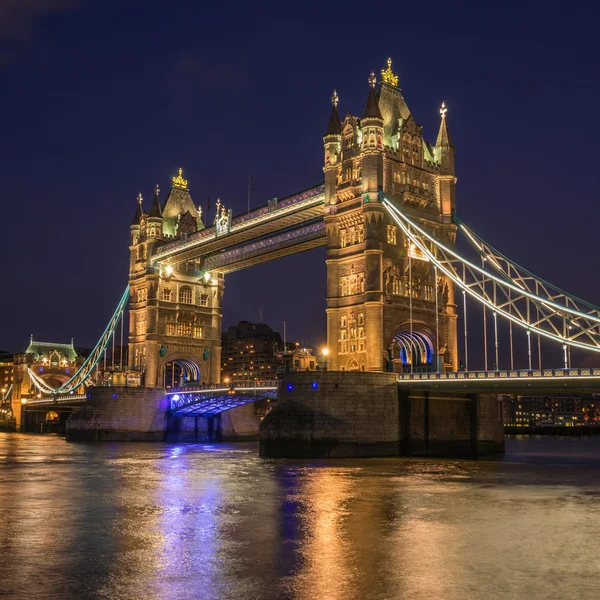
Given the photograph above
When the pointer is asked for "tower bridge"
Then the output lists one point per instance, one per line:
(396, 284)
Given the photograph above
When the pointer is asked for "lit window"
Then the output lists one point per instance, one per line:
(198, 331)
(391, 234)
(185, 295)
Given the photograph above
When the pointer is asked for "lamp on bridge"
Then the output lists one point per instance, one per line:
(325, 353)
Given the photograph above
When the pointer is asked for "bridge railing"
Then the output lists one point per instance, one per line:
(59, 400)
(508, 374)
(195, 387)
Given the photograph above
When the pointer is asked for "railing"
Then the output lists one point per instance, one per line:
(309, 197)
(512, 374)
(59, 400)
(216, 387)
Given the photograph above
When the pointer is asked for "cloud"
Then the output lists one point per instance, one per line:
(192, 72)
(18, 17)
(190, 78)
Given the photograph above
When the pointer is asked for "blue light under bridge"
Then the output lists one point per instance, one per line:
(213, 400)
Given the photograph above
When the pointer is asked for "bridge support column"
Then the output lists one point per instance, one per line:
(339, 414)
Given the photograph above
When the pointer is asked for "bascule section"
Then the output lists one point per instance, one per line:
(388, 307)
(175, 308)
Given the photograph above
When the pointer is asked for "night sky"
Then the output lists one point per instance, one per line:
(102, 100)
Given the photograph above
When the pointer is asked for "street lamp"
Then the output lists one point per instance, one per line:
(325, 353)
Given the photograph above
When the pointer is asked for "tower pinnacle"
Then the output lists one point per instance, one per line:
(388, 76)
(372, 107)
(443, 138)
(335, 99)
(179, 181)
(138, 213)
(334, 127)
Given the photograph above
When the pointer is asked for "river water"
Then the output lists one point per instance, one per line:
(197, 521)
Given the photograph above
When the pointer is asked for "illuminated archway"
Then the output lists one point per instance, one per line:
(413, 347)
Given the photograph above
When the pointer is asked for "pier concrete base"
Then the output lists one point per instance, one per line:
(127, 414)
(354, 414)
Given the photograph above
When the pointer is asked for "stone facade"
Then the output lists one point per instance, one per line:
(128, 414)
(375, 279)
(175, 310)
(337, 414)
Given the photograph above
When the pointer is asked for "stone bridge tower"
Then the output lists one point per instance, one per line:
(175, 310)
(376, 280)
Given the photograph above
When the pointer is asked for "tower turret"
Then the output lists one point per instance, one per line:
(136, 233)
(155, 218)
(332, 142)
(372, 145)
(444, 156)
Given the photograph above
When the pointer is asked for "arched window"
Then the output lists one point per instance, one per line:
(167, 295)
(185, 295)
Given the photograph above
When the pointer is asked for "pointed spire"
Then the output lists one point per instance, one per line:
(138, 213)
(155, 210)
(372, 107)
(334, 127)
(443, 138)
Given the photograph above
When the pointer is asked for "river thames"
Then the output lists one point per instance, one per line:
(197, 521)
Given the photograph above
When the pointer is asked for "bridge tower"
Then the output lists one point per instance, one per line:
(175, 310)
(376, 280)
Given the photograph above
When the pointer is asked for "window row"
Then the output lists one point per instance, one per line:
(352, 284)
(185, 296)
(352, 346)
(352, 320)
(414, 179)
(352, 235)
(184, 329)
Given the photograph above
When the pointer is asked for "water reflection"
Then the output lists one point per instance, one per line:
(155, 521)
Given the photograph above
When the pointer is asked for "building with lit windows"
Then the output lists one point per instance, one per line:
(568, 411)
(6, 371)
(250, 352)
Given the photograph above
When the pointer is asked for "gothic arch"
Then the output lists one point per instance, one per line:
(193, 366)
(416, 345)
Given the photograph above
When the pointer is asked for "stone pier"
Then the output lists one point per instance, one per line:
(352, 414)
(127, 414)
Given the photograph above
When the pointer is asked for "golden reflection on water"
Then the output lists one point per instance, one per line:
(217, 522)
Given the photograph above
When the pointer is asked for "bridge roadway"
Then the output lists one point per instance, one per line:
(281, 227)
(530, 382)
(209, 400)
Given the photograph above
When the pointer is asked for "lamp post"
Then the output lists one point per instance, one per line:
(325, 353)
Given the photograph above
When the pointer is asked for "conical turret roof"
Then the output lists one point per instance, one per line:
(334, 127)
(372, 106)
(138, 213)
(137, 217)
(155, 211)
(443, 138)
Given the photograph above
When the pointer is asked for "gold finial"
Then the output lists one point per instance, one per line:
(179, 181)
(443, 110)
(388, 76)
(156, 189)
(140, 199)
(335, 99)
(372, 79)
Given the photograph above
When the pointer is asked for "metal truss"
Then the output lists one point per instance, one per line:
(508, 290)
(84, 372)
(210, 403)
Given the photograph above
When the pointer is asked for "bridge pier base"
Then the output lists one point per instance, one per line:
(351, 414)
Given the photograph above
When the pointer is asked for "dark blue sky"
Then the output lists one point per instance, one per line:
(101, 100)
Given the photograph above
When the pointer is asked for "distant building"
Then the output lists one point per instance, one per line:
(7, 377)
(304, 360)
(568, 411)
(251, 352)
